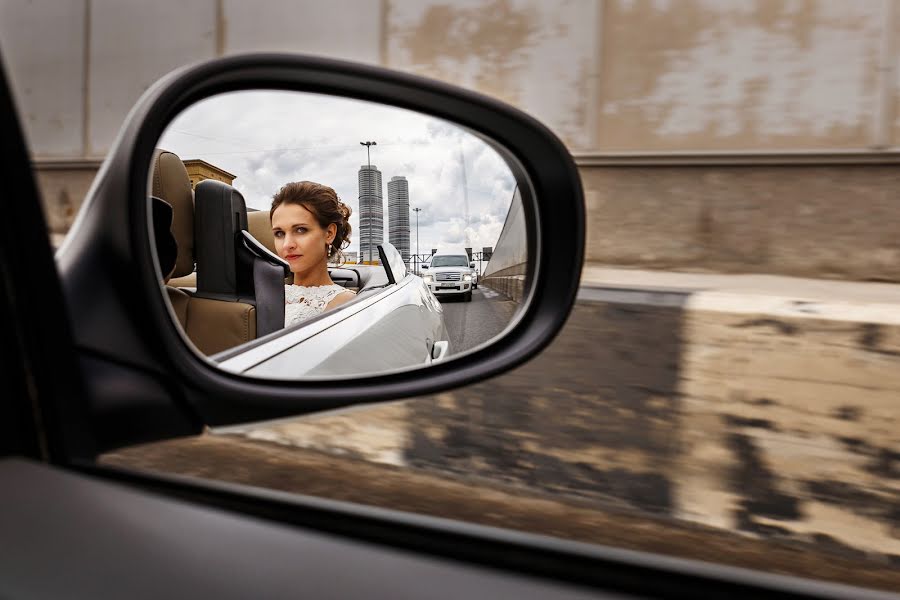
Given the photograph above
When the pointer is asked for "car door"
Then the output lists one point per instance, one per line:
(391, 328)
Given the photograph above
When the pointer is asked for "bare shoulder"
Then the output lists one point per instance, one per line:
(342, 298)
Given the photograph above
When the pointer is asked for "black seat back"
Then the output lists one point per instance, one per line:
(231, 264)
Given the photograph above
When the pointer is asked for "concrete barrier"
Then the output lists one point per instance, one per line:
(505, 272)
(511, 286)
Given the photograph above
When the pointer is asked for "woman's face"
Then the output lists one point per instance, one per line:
(299, 239)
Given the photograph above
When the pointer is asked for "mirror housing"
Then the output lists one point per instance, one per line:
(112, 286)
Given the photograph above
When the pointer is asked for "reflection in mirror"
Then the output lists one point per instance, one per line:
(323, 237)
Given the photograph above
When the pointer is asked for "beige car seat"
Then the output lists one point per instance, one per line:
(260, 226)
(212, 325)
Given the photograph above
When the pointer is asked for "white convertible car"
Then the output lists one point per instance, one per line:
(225, 287)
(395, 322)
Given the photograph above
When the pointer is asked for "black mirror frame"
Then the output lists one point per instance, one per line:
(128, 330)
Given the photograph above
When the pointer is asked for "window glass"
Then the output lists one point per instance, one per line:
(726, 386)
(449, 261)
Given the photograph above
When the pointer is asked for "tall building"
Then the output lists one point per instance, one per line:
(398, 215)
(371, 213)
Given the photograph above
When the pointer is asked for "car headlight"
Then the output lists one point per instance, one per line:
(467, 278)
(428, 278)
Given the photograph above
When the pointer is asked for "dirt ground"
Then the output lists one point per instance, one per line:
(310, 472)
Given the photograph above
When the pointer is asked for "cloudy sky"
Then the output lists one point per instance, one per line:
(268, 138)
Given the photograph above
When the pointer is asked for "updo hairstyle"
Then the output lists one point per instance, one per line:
(323, 202)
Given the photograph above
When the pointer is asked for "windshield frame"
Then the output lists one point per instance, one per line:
(435, 262)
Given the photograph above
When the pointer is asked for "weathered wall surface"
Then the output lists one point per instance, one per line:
(511, 286)
(698, 75)
(610, 77)
(829, 221)
(63, 188)
(605, 75)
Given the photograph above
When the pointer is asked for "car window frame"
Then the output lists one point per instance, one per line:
(46, 364)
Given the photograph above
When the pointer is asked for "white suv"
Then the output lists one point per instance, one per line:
(449, 274)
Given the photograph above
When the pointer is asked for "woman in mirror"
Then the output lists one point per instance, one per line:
(311, 226)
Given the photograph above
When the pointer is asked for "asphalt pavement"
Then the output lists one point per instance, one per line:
(472, 323)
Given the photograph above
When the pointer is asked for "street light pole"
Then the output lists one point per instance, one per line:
(368, 144)
(415, 267)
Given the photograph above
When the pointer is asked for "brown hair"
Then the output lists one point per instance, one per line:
(323, 202)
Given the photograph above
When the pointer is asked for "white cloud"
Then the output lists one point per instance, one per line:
(268, 138)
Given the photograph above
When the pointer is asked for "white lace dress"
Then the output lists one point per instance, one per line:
(303, 302)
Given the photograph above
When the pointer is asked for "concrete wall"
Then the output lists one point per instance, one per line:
(505, 272)
(612, 78)
(697, 75)
(829, 221)
(63, 186)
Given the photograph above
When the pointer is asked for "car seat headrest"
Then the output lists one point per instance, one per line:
(166, 248)
(172, 184)
(260, 226)
(221, 214)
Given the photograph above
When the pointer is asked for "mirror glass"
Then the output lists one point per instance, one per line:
(397, 240)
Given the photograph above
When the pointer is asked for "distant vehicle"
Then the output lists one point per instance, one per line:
(449, 274)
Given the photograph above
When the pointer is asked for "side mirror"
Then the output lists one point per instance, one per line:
(471, 265)
(339, 355)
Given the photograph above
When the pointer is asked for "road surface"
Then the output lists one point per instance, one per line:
(473, 323)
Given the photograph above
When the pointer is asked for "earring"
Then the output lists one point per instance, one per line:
(329, 249)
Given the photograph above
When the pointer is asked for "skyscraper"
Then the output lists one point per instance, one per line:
(371, 213)
(398, 215)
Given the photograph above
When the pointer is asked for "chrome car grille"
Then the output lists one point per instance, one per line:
(448, 277)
